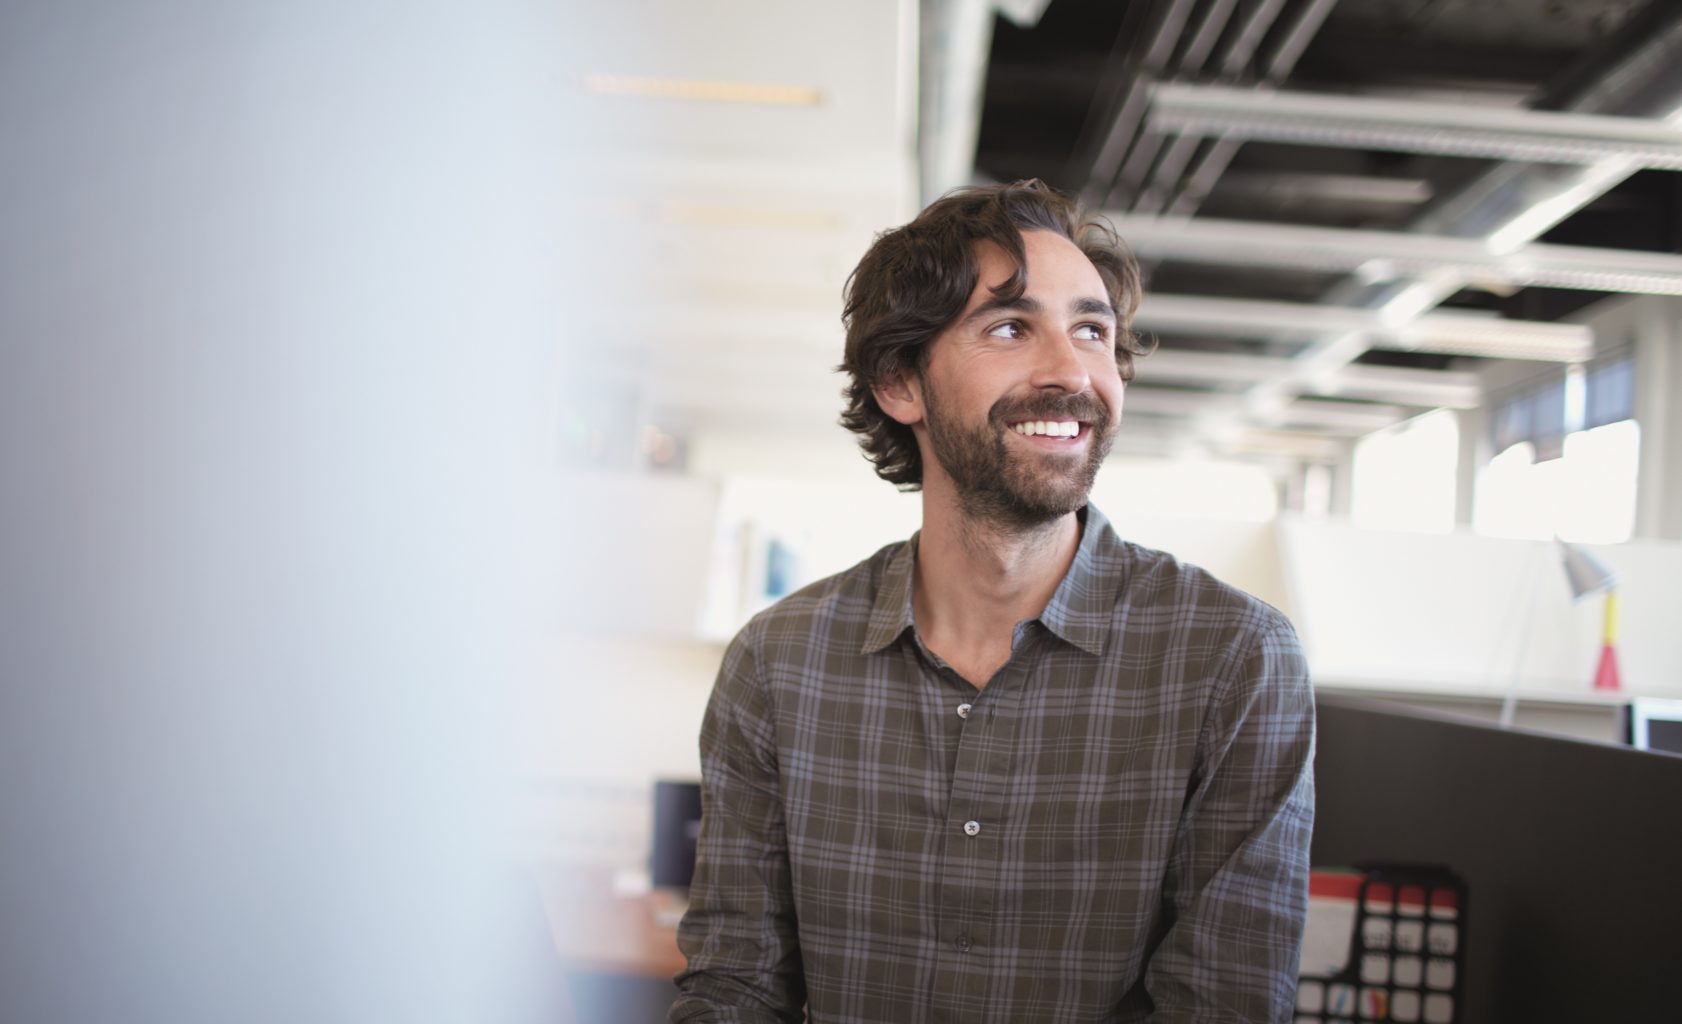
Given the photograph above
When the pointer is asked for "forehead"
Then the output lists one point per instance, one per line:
(1056, 268)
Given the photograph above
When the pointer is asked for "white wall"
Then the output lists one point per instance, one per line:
(1459, 612)
(1444, 617)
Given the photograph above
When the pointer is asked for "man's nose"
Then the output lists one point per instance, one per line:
(1058, 364)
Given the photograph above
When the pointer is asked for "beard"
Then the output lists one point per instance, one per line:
(1012, 489)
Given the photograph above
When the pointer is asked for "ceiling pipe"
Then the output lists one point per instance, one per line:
(954, 39)
(1410, 126)
(1381, 255)
(1512, 204)
(1165, 177)
(1218, 153)
(1437, 389)
(1150, 157)
(1138, 68)
(1448, 332)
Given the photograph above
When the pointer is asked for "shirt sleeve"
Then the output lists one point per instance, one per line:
(739, 932)
(1235, 893)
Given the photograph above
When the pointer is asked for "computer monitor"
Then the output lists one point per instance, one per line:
(677, 826)
(1651, 723)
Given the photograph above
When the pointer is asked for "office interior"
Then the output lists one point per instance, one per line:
(1410, 329)
(407, 403)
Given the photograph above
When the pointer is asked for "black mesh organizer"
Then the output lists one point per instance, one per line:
(1406, 959)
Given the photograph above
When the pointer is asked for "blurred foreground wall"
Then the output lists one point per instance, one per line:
(277, 288)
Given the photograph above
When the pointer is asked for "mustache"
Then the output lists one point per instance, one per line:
(1085, 406)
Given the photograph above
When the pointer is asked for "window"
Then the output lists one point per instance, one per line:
(1576, 480)
(1405, 476)
(1587, 495)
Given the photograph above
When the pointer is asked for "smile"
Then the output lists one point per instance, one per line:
(1048, 428)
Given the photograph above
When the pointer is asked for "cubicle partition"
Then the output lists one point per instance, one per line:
(1571, 851)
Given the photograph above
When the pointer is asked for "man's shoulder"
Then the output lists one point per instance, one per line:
(1159, 583)
(1184, 611)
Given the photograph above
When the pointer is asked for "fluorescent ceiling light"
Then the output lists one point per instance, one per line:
(1455, 333)
(703, 90)
(1412, 126)
(724, 215)
(1387, 254)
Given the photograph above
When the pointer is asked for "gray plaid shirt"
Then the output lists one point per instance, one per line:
(1115, 829)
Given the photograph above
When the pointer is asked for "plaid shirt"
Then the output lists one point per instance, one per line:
(1114, 829)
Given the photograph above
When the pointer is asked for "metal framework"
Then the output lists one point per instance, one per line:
(1383, 255)
(1412, 126)
(1456, 333)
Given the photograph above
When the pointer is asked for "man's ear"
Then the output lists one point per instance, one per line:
(901, 397)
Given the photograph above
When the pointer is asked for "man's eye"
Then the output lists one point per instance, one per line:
(1092, 332)
(1009, 329)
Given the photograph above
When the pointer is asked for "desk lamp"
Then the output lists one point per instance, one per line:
(1588, 575)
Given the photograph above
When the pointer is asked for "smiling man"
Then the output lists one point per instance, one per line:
(1014, 769)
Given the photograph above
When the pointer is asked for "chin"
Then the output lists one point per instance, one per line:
(1029, 504)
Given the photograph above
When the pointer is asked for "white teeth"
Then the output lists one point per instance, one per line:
(1049, 428)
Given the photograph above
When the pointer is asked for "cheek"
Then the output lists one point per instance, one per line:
(1107, 383)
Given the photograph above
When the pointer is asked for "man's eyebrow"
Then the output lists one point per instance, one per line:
(1084, 306)
(1092, 307)
(1019, 304)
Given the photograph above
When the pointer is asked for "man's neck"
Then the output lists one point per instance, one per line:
(975, 580)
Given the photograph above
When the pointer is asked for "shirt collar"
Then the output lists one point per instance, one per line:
(891, 614)
(1079, 611)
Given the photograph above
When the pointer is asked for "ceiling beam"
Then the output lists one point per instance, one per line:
(1411, 126)
(1455, 333)
(1385, 255)
(1352, 418)
(1453, 389)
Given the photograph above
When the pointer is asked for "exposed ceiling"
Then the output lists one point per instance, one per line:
(1341, 204)
(1332, 197)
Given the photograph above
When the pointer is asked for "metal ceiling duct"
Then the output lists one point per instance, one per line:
(953, 40)
(1511, 204)
(1378, 255)
(1131, 166)
(1410, 126)
(1452, 332)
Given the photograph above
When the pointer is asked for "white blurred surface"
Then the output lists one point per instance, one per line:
(276, 294)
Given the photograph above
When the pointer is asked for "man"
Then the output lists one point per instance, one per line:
(1016, 769)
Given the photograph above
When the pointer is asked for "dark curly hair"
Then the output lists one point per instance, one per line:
(916, 279)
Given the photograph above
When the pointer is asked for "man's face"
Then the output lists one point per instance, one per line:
(1020, 399)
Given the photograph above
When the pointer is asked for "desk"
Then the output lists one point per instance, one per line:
(599, 931)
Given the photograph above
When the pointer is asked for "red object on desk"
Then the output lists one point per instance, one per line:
(1606, 673)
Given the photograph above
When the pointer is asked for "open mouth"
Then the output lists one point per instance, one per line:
(1051, 430)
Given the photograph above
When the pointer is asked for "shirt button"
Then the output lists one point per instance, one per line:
(963, 710)
(963, 943)
(972, 828)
